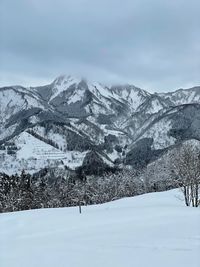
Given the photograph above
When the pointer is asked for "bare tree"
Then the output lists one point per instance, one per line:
(186, 165)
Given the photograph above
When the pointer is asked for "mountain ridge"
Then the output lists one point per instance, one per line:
(83, 116)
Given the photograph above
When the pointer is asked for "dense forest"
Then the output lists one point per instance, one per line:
(50, 189)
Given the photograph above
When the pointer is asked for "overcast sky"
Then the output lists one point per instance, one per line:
(153, 44)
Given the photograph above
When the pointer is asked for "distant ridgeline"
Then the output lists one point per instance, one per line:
(75, 124)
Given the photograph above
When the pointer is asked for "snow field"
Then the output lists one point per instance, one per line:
(149, 230)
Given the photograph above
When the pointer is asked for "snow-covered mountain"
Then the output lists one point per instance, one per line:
(71, 117)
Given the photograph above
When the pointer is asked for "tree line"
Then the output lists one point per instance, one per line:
(52, 189)
(23, 192)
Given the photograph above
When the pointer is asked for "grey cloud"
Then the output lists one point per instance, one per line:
(153, 44)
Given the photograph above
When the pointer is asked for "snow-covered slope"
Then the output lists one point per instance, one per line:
(150, 230)
(183, 96)
(33, 155)
(74, 114)
(12, 101)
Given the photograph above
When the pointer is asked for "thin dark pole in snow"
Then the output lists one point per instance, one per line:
(79, 204)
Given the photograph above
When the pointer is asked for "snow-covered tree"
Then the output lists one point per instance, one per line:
(186, 165)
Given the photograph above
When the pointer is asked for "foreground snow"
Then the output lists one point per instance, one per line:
(149, 230)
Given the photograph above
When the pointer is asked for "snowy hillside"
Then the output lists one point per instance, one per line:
(181, 96)
(155, 229)
(72, 116)
(33, 154)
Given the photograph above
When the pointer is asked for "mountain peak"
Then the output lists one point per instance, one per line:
(62, 83)
(66, 79)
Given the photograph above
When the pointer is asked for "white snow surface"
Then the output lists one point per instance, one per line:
(33, 147)
(149, 230)
(33, 155)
